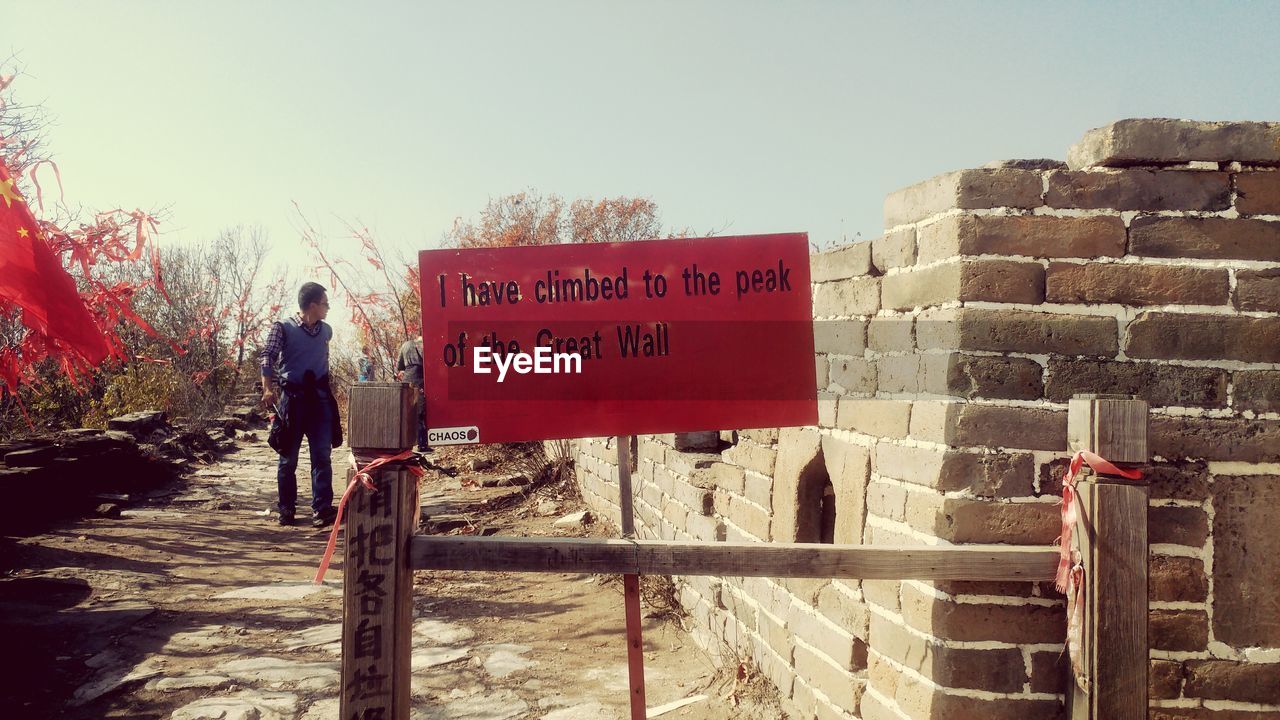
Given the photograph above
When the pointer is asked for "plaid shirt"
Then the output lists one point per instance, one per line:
(270, 355)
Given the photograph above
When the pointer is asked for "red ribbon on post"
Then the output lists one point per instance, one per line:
(362, 478)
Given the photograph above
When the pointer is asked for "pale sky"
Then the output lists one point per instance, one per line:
(749, 117)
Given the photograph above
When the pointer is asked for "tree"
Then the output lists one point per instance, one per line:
(528, 218)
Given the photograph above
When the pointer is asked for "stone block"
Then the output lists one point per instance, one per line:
(1139, 189)
(1193, 438)
(839, 263)
(1181, 630)
(1039, 236)
(1257, 390)
(759, 489)
(1187, 526)
(854, 375)
(1240, 682)
(997, 670)
(896, 248)
(1178, 480)
(987, 280)
(690, 463)
(880, 418)
(840, 337)
(1191, 336)
(887, 500)
(727, 476)
(836, 644)
(931, 421)
(1246, 560)
(1258, 290)
(1258, 193)
(763, 436)
(852, 297)
(996, 426)
(984, 376)
(1212, 238)
(1177, 579)
(846, 611)
(751, 456)
(827, 678)
(891, 334)
(1135, 284)
(694, 441)
(1017, 331)
(706, 529)
(1161, 385)
(1164, 680)
(1163, 141)
(1020, 624)
(967, 190)
(799, 460)
(979, 521)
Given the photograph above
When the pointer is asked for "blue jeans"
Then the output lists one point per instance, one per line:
(312, 415)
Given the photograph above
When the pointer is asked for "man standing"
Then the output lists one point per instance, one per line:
(410, 370)
(296, 357)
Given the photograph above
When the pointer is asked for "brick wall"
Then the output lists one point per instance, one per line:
(947, 350)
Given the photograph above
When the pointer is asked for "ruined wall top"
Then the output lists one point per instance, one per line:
(1162, 141)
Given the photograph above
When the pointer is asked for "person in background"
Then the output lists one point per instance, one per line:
(409, 367)
(296, 358)
(365, 365)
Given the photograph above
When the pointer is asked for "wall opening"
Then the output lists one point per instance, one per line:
(816, 504)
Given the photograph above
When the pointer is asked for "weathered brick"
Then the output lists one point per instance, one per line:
(759, 489)
(887, 501)
(1164, 141)
(1258, 289)
(912, 373)
(1159, 384)
(931, 421)
(1258, 193)
(1211, 237)
(1177, 526)
(967, 190)
(1017, 331)
(844, 262)
(983, 376)
(853, 375)
(840, 337)
(775, 633)
(1164, 679)
(981, 621)
(1135, 284)
(896, 248)
(702, 527)
(1179, 438)
(974, 425)
(847, 298)
(1049, 671)
(848, 468)
(752, 456)
(837, 684)
(1246, 560)
(999, 670)
(1190, 336)
(1257, 390)
(1138, 189)
(891, 334)
(1185, 630)
(822, 371)
(1177, 480)
(847, 612)
(838, 645)
(1163, 713)
(988, 280)
(689, 463)
(747, 516)
(985, 475)
(881, 418)
(1041, 236)
(827, 408)
(980, 521)
(763, 436)
(883, 593)
(727, 476)
(693, 441)
(1177, 579)
(1226, 680)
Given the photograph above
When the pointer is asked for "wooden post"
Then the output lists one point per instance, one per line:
(1112, 537)
(631, 585)
(377, 598)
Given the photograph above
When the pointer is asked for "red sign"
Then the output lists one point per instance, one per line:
(666, 336)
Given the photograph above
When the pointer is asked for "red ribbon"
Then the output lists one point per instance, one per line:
(1071, 507)
(362, 478)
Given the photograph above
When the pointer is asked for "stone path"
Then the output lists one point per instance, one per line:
(196, 605)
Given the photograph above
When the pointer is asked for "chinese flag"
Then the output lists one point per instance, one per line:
(32, 277)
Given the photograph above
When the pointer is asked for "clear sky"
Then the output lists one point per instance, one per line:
(747, 116)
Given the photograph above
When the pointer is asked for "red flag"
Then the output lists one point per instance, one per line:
(32, 277)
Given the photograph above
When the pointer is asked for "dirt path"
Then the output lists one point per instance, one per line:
(195, 604)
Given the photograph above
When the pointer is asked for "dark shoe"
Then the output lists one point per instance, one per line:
(324, 519)
(286, 518)
(423, 450)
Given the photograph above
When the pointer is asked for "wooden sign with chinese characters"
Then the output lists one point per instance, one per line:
(377, 607)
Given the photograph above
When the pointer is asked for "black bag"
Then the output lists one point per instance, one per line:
(276, 434)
